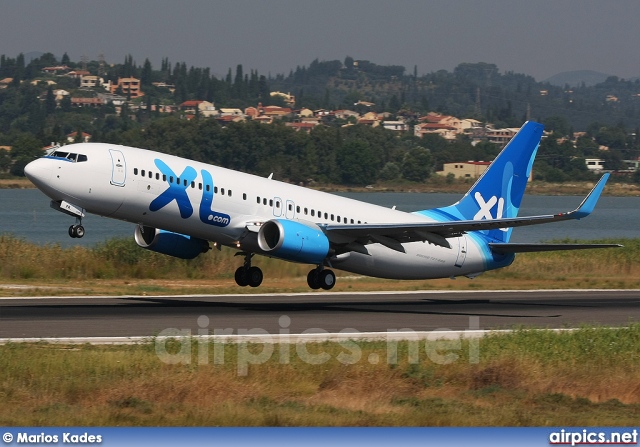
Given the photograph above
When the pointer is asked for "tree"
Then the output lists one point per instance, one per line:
(50, 102)
(147, 73)
(356, 163)
(416, 165)
(25, 149)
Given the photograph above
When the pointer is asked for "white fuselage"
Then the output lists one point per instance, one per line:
(133, 185)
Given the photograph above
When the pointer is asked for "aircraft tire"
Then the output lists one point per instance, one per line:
(313, 280)
(254, 276)
(241, 277)
(72, 231)
(327, 279)
(79, 231)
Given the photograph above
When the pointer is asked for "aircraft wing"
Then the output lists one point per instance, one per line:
(437, 232)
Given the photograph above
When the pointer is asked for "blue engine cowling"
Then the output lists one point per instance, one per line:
(293, 241)
(169, 243)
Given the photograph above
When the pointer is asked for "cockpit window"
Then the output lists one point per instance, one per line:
(75, 158)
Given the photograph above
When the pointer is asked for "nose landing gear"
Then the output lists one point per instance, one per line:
(77, 230)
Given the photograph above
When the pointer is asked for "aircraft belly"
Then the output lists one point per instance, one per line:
(421, 260)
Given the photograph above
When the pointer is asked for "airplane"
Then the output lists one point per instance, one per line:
(180, 206)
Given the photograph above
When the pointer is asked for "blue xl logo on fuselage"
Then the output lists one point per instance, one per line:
(178, 191)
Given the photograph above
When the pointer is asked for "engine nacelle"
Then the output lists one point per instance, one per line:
(169, 243)
(293, 241)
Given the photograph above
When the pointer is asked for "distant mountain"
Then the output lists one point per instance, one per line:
(576, 78)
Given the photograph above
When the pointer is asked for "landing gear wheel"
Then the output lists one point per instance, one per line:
(241, 277)
(76, 231)
(79, 231)
(312, 280)
(254, 276)
(327, 279)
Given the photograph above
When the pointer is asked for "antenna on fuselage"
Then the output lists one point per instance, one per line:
(270, 176)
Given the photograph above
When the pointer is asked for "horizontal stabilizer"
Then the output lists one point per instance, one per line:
(530, 248)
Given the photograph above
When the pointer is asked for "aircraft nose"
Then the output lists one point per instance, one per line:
(38, 172)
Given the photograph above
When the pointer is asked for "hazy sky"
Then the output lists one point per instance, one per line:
(536, 37)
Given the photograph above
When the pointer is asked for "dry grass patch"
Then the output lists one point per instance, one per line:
(586, 377)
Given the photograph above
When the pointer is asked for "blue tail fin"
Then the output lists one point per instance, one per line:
(498, 192)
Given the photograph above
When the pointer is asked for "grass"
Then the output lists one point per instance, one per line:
(585, 377)
(119, 266)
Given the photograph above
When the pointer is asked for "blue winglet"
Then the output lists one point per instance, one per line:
(589, 202)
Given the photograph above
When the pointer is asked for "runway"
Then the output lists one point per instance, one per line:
(314, 312)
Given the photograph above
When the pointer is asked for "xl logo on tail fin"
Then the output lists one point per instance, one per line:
(486, 207)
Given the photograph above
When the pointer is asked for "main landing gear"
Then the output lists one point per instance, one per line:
(77, 230)
(321, 278)
(248, 275)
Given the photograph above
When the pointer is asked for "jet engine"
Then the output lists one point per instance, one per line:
(169, 243)
(293, 241)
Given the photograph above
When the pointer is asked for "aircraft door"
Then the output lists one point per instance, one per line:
(290, 210)
(118, 167)
(462, 250)
(277, 207)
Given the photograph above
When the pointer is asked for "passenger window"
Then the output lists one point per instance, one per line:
(200, 186)
(157, 176)
(244, 196)
(332, 217)
(171, 179)
(326, 216)
(150, 174)
(264, 201)
(258, 200)
(215, 190)
(185, 182)
(142, 173)
(290, 207)
(306, 211)
(135, 171)
(313, 213)
(338, 218)
(193, 184)
(229, 193)
(207, 187)
(278, 204)
(222, 191)
(271, 203)
(164, 177)
(352, 221)
(177, 178)
(297, 209)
